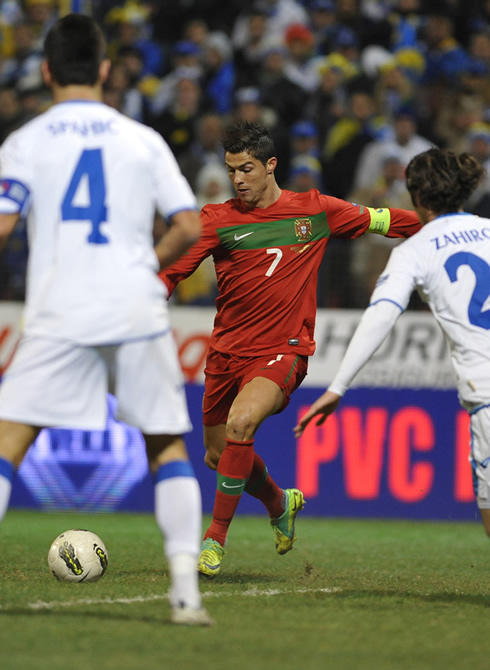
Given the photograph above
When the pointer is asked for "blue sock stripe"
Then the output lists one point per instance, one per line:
(174, 469)
(6, 469)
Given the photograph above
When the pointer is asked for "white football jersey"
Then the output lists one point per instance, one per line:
(448, 262)
(90, 181)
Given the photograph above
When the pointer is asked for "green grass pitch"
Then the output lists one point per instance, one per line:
(352, 595)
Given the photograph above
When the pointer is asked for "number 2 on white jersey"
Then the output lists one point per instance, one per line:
(89, 166)
(275, 262)
(476, 314)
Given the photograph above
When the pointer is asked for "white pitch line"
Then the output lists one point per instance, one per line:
(42, 605)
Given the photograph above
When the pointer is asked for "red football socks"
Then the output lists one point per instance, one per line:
(234, 469)
(261, 486)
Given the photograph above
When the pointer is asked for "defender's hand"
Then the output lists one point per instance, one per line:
(323, 407)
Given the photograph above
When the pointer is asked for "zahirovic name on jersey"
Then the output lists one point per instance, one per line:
(461, 237)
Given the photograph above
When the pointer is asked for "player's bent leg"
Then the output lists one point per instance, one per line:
(264, 397)
(178, 514)
(257, 400)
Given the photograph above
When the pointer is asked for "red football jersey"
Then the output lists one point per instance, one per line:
(267, 262)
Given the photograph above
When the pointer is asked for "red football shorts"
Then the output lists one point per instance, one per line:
(226, 375)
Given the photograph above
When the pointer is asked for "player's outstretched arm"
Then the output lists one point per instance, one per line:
(325, 405)
(180, 236)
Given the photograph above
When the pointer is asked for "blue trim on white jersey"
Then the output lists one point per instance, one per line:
(443, 216)
(477, 409)
(6, 469)
(174, 469)
(387, 300)
(184, 209)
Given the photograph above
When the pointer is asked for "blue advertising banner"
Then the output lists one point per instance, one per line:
(386, 453)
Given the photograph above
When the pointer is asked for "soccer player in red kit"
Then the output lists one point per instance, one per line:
(267, 245)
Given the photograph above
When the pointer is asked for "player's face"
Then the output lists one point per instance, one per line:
(251, 179)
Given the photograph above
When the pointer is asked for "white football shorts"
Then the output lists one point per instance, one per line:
(55, 383)
(480, 454)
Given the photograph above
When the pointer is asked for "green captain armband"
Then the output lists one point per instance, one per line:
(380, 220)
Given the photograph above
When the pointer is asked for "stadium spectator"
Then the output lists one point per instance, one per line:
(323, 24)
(327, 104)
(304, 139)
(348, 137)
(305, 173)
(120, 92)
(479, 47)
(248, 106)
(40, 14)
(346, 43)
(406, 20)
(445, 58)
(131, 29)
(299, 68)
(458, 113)
(219, 72)
(186, 57)
(280, 15)
(197, 32)
(176, 124)
(394, 88)
(405, 144)
(277, 90)
(249, 53)
(26, 56)
(205, 149)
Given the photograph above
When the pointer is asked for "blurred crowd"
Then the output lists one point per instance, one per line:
(351, 90)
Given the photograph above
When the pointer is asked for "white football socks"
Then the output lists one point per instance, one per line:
(178, 513)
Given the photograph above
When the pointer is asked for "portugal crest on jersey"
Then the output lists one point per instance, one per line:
(302, 228)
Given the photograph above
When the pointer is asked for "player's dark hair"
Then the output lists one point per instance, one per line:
(74, 48)
(249, 137)
(442, 181)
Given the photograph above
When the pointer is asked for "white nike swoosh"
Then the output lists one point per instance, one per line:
(227, 486)
(239, 237)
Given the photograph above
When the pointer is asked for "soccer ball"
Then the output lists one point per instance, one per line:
(78, 556)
